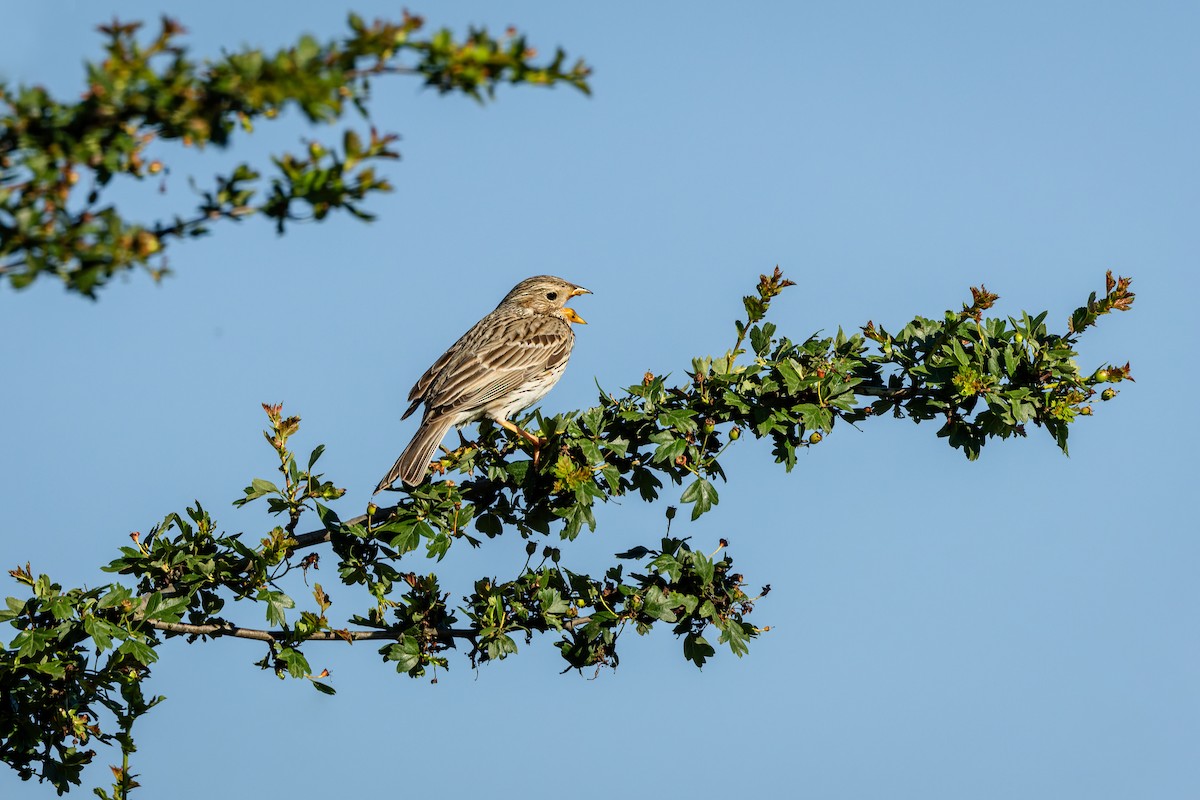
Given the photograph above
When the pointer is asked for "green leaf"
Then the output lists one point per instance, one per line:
(277, 604)
(669, 451)
(552, 602)
(591, 452)
(668, 565)
(788, 370)
(328, 517)
(294, 660)
(760, 337)
(814, 417)
(102, 632)
(115, 596)
(316, 453)
(140, 651)
(656, 604)
(697, 649)
(682, 419)
(406, 652)
(489, 525)
(737, 635)
(704, 568)
(702, 493)
(500, 647)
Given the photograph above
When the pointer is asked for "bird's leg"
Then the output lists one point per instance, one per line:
(536, 441)
(463, 444)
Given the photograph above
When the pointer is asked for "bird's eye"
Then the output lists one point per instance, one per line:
(551, 296)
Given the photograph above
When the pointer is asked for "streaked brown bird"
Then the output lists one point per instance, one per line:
(507, 362)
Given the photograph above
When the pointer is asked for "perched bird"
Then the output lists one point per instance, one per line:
(507, 362)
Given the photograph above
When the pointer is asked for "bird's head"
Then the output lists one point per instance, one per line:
(546, 294)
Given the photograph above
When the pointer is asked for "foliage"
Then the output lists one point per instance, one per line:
(60, 160)
(982, 378)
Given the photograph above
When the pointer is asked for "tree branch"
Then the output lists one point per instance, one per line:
(313, 538)
(215, 629)
(229, 629)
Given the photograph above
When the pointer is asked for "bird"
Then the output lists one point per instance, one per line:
(504, 364)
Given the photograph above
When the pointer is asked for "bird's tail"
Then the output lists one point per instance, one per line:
(410, 467)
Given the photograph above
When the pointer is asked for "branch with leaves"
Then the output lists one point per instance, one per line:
(58, 160)
(80, 652)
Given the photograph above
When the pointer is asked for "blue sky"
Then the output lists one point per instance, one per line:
(1022, 626)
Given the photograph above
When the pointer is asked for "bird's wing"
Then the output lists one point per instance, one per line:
(497, 359)
(420, 391)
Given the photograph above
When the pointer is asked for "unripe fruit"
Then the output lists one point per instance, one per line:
(815, 438)
(1108, 394)
(1086, 411)
(1101, 376)
(735, 434)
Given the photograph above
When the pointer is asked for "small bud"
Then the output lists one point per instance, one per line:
(670, 512)
(147, 243)
(372, 509)
(155, 167)
(735, 434)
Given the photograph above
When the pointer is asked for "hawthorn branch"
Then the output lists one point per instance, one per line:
(216, 629)
(903, 393)
(322, 535)
(228, 629)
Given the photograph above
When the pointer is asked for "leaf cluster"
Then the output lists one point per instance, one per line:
(981, 378)
(77, 653)
(60, 160)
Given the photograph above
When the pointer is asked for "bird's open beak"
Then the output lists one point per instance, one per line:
(569, 313)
